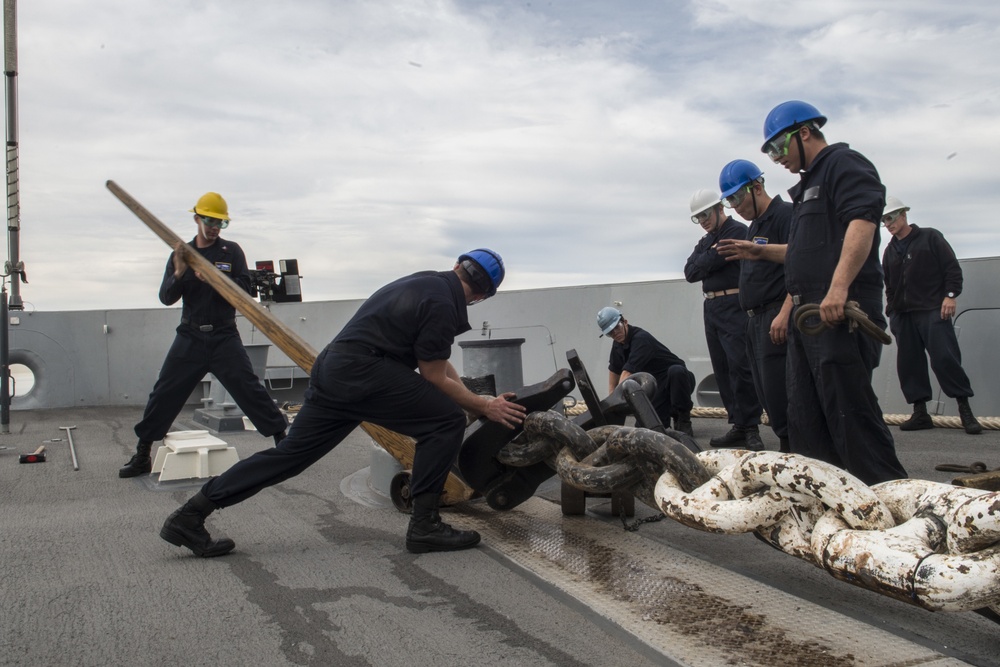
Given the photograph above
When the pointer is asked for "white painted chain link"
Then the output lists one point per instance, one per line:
(930, 544)
(927, 543)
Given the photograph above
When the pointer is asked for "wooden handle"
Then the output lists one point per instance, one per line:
(297, 349)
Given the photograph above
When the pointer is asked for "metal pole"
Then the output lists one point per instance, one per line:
(14, 266)
(4, 363)
(72, 448)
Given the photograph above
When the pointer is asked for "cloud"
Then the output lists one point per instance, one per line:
(568, 136)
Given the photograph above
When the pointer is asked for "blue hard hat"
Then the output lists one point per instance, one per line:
(789, 114)
(736, 174)
(487, 269)
(607, 319)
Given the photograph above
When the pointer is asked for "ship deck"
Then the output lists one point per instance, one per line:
(320, 575)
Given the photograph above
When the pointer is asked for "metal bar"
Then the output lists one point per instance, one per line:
(14, 266)
(587, 389)
(10, 70)
(72, 448)
(4, 363)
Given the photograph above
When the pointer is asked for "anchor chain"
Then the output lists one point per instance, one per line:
(603, 459)
(933, 545)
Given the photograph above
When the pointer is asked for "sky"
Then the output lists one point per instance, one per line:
(370, 139)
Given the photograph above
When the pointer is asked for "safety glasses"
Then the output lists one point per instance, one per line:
(778, 147)
(735, 199)
(699, 218)
(214, 223)
(890, 218)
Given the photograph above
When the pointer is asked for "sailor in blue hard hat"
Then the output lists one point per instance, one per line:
(786, 129)
(832, 257)
(388, 366)
(762, 283)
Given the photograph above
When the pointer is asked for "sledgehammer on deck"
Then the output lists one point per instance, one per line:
(37, 456)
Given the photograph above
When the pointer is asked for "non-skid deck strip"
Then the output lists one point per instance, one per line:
(687, 609)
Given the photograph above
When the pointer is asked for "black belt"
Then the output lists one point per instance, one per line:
(359, 349)
(816, 292)
(208, 328)
(766, 308)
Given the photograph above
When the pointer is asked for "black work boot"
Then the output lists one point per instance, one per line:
(751, 438)
(734, 438)
(682, 423)
(919, 420)
(969, 421)
(783, 445)
(428, 533)
(186, 528)
(140, 463)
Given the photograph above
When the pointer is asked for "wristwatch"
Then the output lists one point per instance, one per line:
(951, 295)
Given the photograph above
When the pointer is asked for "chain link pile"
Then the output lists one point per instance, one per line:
(934, 545)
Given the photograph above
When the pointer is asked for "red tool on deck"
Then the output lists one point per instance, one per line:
(37, 456)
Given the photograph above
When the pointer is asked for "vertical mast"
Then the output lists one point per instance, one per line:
(14, 266)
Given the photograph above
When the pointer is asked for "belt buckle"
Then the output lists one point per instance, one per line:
(709, 295)
(796, 299)
(750, 313)
(207, 328)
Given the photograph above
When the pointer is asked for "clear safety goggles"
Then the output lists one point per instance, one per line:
(890, 218)
(778, 147)
(735, 199)
(214, 223)
(699, 218)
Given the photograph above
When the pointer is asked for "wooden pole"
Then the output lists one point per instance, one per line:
(297, 349)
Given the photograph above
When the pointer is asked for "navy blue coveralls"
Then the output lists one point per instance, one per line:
(833, 412)
(920, 270)
(367, 374)
(207, 341)
(725, 323)
(762, 293)
(642, 353)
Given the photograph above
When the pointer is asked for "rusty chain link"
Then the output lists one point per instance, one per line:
(930, 544)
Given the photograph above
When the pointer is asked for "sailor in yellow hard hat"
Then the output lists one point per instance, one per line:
(207, 340)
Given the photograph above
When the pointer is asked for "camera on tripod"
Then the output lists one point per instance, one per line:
(280, 287)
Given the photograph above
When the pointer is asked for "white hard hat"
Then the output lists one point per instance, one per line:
(892, 204)
(702, 200)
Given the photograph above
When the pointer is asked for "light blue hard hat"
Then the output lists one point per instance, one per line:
(607, 319)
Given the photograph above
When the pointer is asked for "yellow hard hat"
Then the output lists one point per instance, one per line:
(212, 205)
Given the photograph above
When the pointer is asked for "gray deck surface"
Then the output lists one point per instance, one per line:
(318, 578)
